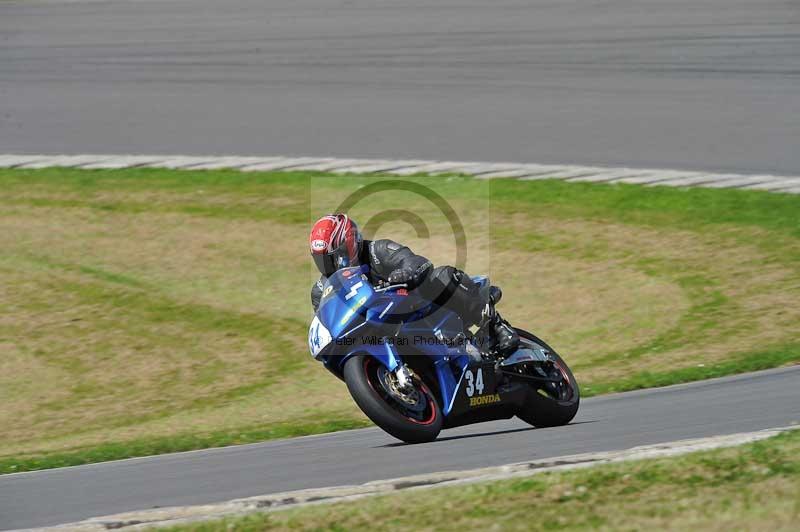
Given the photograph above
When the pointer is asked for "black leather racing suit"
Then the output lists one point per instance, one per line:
(445, 285)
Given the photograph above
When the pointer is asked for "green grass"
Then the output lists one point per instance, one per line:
(748, 362)
(752, 487)
(149, 311)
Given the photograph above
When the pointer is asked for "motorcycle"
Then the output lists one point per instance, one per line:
(414, 369)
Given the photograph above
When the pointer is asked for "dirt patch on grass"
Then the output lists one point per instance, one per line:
(113, 358)
(737, 296)
(586, 307)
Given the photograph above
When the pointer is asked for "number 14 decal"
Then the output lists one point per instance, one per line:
(474, 382)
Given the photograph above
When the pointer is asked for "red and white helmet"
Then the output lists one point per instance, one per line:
(335, 242)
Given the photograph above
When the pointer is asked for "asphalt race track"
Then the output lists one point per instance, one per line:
(709, 85)
(724, 406)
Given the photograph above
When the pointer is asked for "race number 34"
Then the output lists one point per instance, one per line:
(474, 382)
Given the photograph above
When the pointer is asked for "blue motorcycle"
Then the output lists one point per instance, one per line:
(414, 369)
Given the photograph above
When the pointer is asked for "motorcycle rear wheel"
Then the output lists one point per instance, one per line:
(416, 420)
(554, 407)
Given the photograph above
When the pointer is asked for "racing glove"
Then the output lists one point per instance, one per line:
(401, 275)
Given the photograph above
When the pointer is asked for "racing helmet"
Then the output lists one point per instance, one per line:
(335, 242)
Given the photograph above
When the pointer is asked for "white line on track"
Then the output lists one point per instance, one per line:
(482, 170)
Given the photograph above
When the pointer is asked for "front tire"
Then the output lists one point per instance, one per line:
(414, 419)
(551, 406)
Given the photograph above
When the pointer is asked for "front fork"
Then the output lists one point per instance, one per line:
(444, 365)
(386, 353)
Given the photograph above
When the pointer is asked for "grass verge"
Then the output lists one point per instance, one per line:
(751, 487)
(148, 311)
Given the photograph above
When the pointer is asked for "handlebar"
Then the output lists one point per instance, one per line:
(384, 286)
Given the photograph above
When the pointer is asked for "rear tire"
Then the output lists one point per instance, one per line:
(542, 409)
(364, 385)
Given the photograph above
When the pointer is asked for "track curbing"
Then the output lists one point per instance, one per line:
(400, 167)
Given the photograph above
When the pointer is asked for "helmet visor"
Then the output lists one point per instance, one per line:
(325, 262)
(328, 263)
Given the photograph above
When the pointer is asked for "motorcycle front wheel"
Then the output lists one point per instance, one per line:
(413, 416)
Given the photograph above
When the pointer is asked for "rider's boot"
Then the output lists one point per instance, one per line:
(506, 338)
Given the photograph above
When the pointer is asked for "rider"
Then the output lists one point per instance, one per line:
(336, 242)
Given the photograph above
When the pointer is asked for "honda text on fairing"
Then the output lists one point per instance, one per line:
(414, 369)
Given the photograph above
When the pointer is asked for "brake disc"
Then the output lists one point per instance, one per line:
(413, 400)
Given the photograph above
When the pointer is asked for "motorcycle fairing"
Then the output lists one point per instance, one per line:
(343, 299)
(350, 304)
